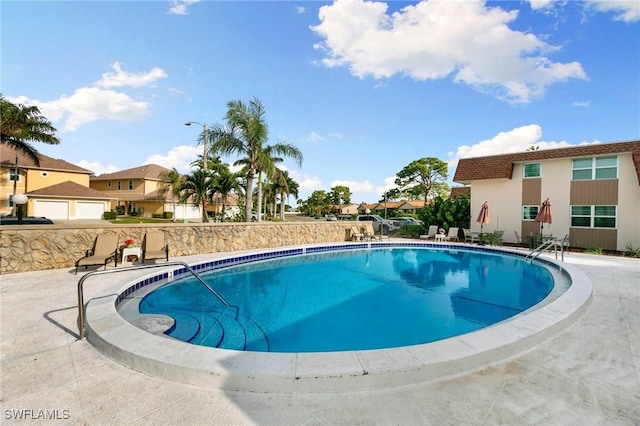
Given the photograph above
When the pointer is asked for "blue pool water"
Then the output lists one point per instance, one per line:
(351, 300)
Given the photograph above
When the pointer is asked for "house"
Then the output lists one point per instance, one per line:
(460, 191)
(142, 191)
(594, 192)
(345, 209)
(55, 188)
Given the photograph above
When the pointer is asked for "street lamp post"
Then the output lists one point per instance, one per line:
(19, 200)
(205, 128)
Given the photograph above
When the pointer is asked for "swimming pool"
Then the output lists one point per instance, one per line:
(115, 327)
(351, 300)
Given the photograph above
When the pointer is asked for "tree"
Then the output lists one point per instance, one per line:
(20, 124)
(171, 181)
(198, 185)
(245, 135)
(225, 182)
(447, 212)
(427, 176)
(340, 195)
(318, 203)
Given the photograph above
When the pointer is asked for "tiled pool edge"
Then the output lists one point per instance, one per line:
(317, 372)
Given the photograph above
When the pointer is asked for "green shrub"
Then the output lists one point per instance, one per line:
(631, 251)
(593, 250)
(411, 231)
(120, 210)
(110, 215)
(157, 216)
(167, 215)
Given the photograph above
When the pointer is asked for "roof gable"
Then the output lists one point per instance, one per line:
(70, 189)
(8, 157)
(146, 172)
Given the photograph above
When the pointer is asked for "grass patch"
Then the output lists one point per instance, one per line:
(124, 220)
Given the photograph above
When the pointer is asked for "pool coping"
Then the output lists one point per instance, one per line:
(226, 369)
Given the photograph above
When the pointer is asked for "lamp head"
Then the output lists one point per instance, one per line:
(20, 199)
(188, 123)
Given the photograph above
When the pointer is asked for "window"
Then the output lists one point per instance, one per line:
(130, 185)
(14, 175)
(532, 170)
(44, 174)
(108, 184)
(118, 187)
(529, 212)
(593, 216)
(594, 168)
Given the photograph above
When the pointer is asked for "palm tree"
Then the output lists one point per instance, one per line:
(20, 124)
(280, 186)
(226, 182)
(246, 135)
(171, 181)
(198, 185)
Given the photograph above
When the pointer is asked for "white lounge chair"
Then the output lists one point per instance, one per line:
(431, 233)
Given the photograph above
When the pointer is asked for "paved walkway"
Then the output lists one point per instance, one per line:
(587, 375)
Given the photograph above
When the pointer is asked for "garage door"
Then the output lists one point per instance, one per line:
(89, 210)
(52, 209)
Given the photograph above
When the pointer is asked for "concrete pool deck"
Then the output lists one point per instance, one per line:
(587, 374)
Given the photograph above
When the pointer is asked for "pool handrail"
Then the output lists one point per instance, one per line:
(81, 314)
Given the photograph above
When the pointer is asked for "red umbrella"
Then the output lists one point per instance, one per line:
(544, 215)
(483, 217)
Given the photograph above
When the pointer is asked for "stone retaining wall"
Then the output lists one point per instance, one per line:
(40, 247)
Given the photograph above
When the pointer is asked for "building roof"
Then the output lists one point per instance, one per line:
(501, 166)
(8, 159)
(147, 172)
(70, 189)
(457, 191)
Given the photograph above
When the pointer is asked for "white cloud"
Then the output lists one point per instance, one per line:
(121, 78)
(626, 11)
(179, 157)
(314, 137)
(179, 7)
(89, 104)
(512, 141)
(437, 39)
(301, 9)
(541, 4)
(97, 168)
(581, 104)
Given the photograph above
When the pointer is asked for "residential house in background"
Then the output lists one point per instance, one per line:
(55, 188)
(345, 209)
(460, 191)
(594, 192)
(142, 191)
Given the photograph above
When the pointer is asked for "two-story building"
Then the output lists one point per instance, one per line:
(55, 188)
(594, 192)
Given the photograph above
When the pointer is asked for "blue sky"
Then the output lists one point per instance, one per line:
(362, 88)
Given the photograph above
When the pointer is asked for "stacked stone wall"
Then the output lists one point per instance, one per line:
(41, 247)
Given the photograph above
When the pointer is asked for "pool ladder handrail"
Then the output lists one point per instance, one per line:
(545, 246)
(81, 313)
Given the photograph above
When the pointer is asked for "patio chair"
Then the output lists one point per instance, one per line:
(431, 233)
(453, 234)
(105, 248)
(154, 247)
(470, 236)
(356, 234)
(370, 234)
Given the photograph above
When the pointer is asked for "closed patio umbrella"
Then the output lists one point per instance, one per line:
(544, 215)
(483, 217)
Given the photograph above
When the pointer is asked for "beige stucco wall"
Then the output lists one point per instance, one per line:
(504, 197)
(60, 246)
(36, 180)
(628, 220)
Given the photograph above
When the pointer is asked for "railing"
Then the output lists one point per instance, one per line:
(81, 313)
(547, 245)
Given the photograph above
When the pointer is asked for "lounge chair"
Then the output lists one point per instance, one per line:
(431, 233)
(470, 236)
(370, 234)
(453, 234)
(356, 234)
(105, 248)
(154, 247)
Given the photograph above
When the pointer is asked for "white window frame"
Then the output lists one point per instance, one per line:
(592, 217)
(130, 185)
(594, 167)
(118, 186)
(530, 206)
(524, 170)
(13, 173)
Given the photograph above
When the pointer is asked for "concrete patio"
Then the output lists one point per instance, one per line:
(586, 375)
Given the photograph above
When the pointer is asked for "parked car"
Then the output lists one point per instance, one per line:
(407, 221)
(378, 223)
(27, 220)
(331, 217)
